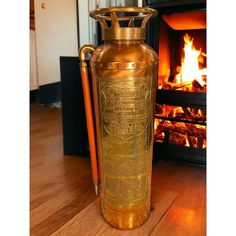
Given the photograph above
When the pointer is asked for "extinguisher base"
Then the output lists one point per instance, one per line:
(126, 219)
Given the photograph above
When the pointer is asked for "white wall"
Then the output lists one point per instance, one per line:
(87, 25)
(56, 35)
(33, 62)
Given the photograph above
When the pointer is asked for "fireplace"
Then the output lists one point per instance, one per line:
(178, 34)
(180, 118)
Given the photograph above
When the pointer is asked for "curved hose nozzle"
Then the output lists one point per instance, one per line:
(88, 111)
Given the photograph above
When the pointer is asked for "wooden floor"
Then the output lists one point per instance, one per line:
(62, 200)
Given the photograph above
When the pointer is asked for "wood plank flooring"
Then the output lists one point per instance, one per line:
(63, 202)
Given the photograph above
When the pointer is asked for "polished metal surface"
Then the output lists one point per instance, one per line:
(124, 99)
(115, 32)
(124, 72)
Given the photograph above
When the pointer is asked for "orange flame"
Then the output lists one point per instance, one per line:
(190, 77)
(190, 70)
(178, 132)
(187, 142)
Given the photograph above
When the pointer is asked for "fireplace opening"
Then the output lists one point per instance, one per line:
(180, 125)
(179, 36)
(182, 53)
(180, 111)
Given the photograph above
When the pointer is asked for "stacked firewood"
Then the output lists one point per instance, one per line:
(190, 86)
(184, 113)
(180, 133)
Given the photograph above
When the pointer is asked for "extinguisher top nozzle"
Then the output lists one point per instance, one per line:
(110, 18)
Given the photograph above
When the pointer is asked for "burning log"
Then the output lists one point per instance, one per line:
(191, 75)
(187, 111)
(200, 142)
(185, 129)
(159, 136)
(159, 109)
(193, 141)
(194, 114)
(197, 85)
(170, 129)
(177, 138)
(175, 86)
(189, 135)
(196, 130)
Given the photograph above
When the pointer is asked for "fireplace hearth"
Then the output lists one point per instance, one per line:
(178, 34)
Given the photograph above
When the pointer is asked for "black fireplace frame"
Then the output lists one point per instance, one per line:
(75, 138)
(173, 97)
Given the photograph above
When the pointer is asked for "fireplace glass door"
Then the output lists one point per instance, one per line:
(180, 117)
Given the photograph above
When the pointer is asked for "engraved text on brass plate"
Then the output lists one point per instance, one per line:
(126, 139)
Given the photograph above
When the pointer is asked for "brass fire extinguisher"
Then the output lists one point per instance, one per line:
(124, 71)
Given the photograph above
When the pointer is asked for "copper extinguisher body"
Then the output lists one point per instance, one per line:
(124, 72)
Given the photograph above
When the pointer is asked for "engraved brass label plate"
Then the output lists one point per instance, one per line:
(126, 139)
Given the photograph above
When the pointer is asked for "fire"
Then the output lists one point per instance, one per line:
(178, 125)
(178, 132)
(189, 70)
(187, 144)
(191, 75)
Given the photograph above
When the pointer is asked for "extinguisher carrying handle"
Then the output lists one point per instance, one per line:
(88, 110)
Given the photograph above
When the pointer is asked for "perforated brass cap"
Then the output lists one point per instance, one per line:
(115, 31)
